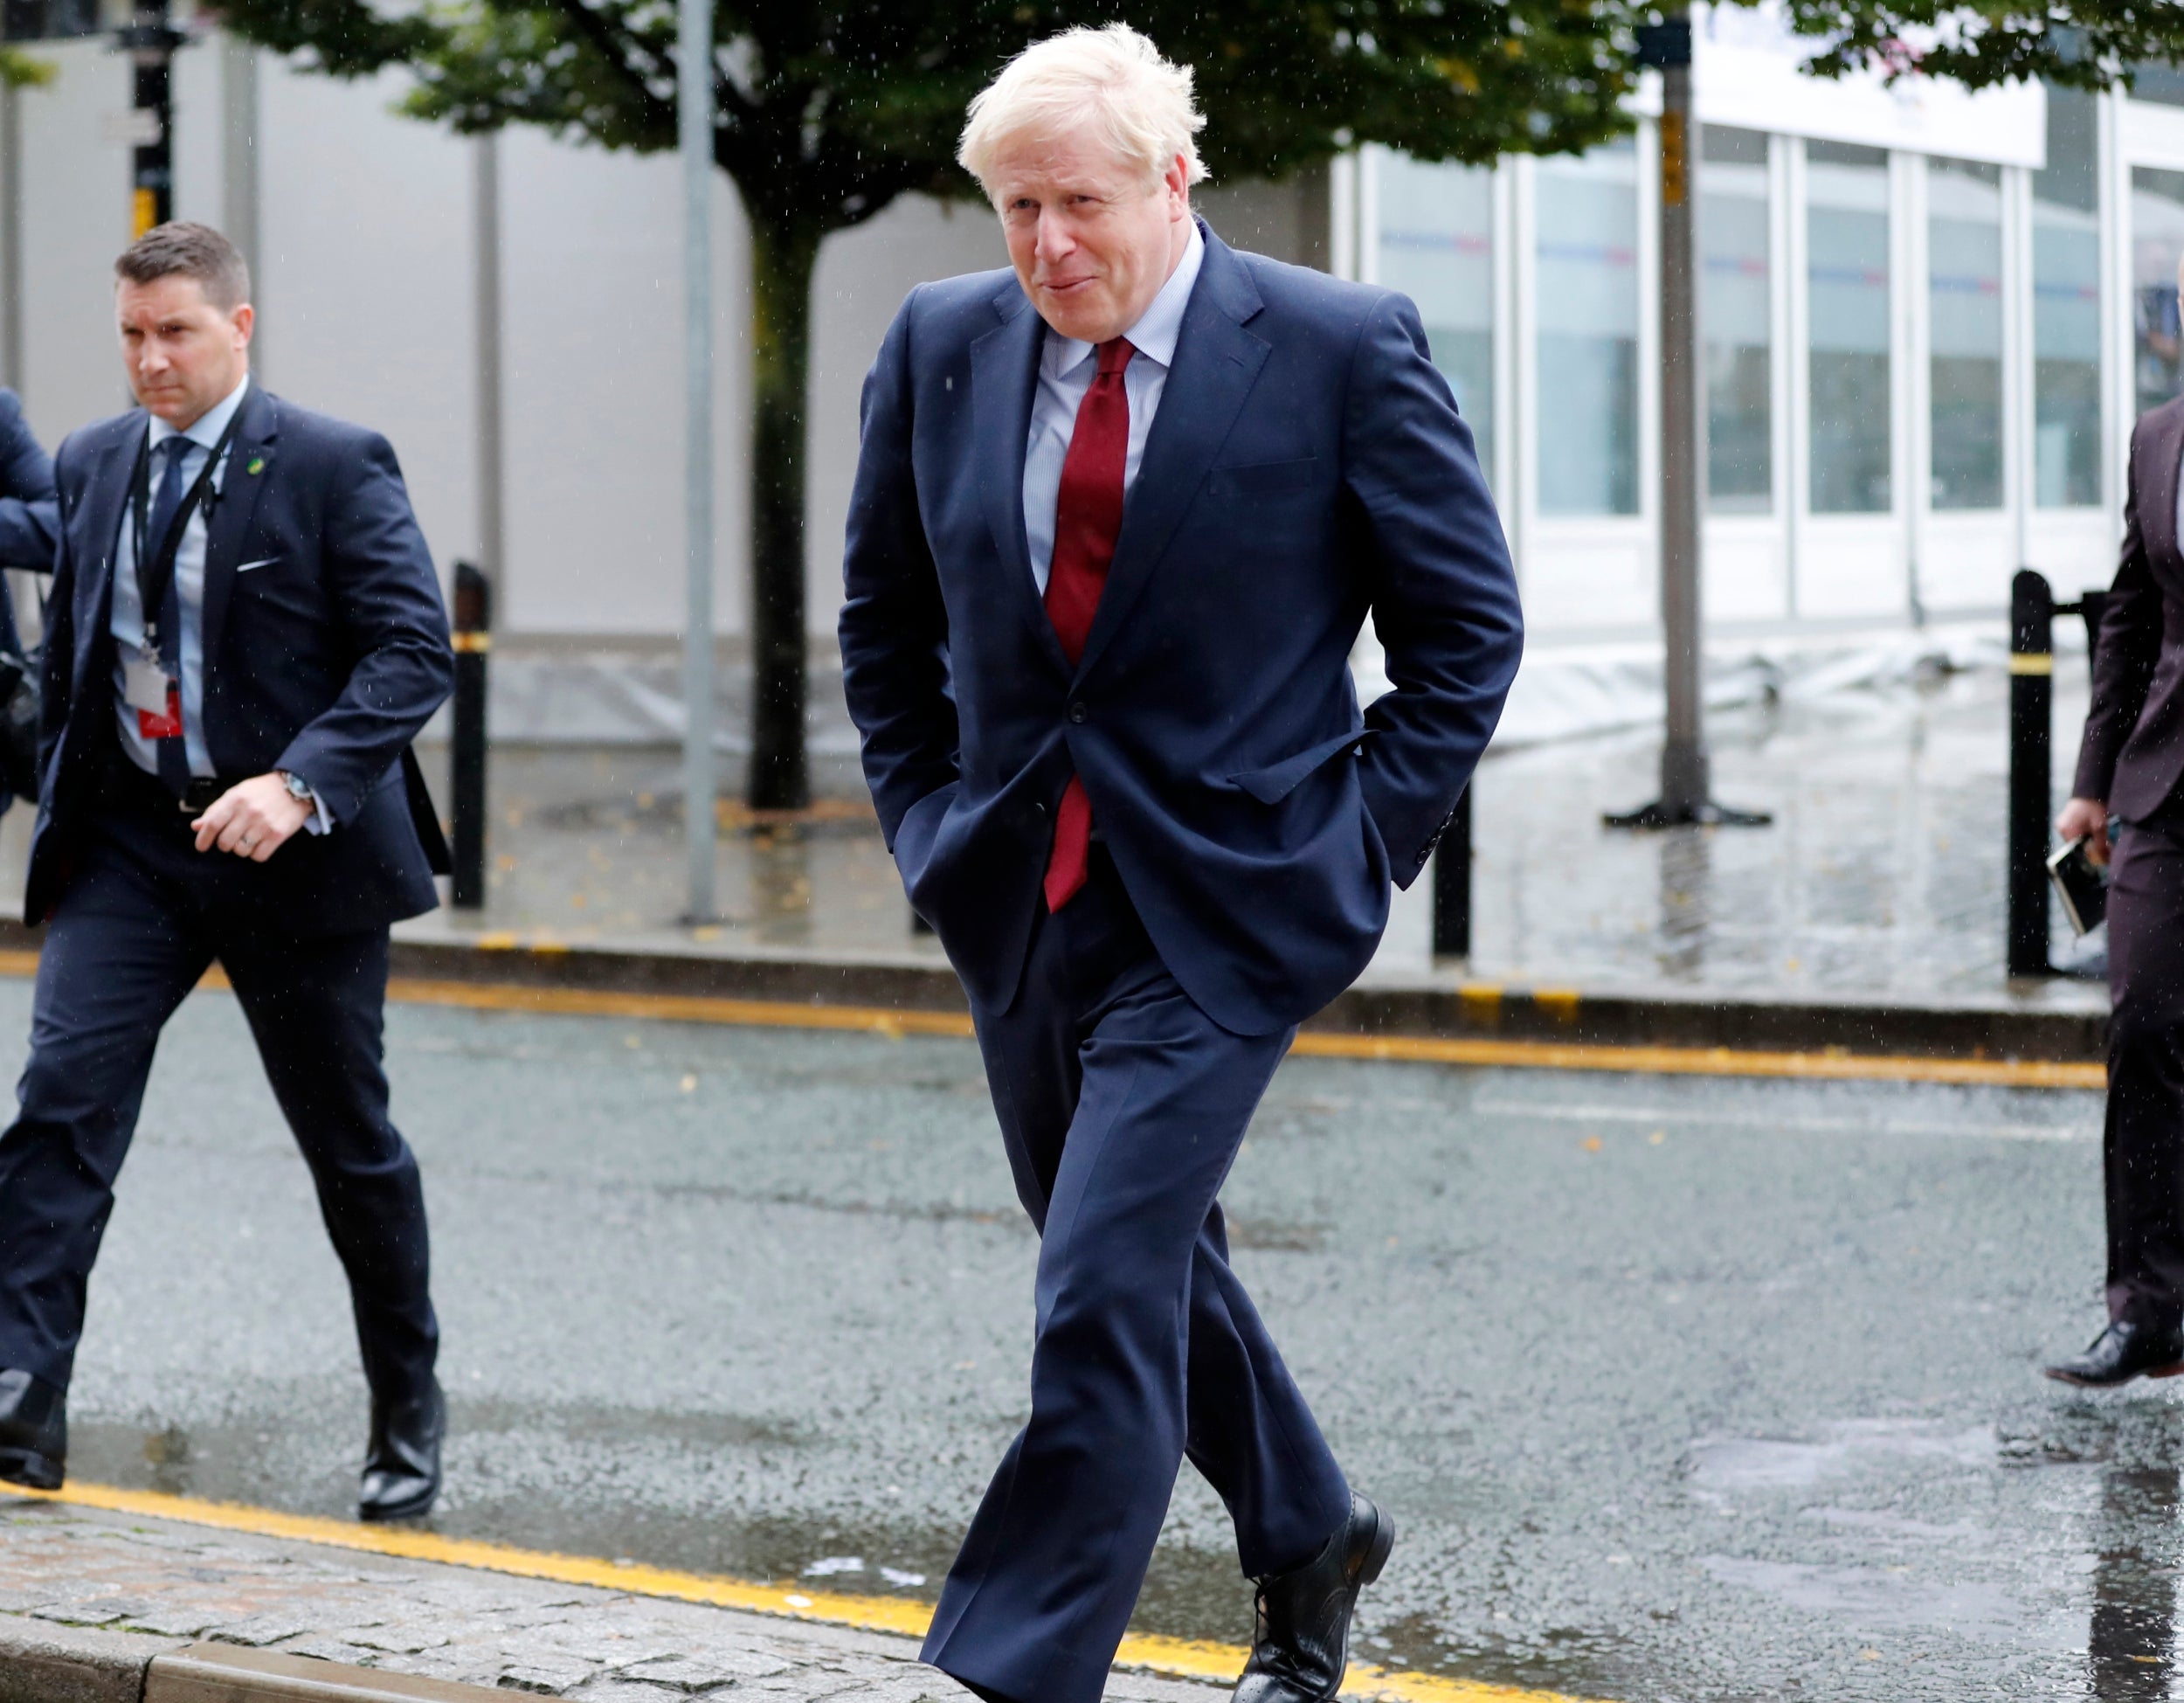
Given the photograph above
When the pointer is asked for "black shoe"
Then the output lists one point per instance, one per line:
(33, 1431)
(1302, 1645)
(2127, 1349)
(401, 1463)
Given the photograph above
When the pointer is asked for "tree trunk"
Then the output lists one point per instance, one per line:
(782, 254)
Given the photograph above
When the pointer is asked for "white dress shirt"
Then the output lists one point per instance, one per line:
(128, 624)
(1066, 366)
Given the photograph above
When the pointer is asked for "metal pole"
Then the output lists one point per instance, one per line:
(238, 173)
(2031, 731)
(1452, 884)
(11, 236)
(486, 308)
(693, 98)
(474, 646)
(151, 41)
(1686, 777)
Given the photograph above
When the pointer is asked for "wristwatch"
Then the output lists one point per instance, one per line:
(299, 788)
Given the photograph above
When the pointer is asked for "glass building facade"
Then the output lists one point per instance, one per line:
(1920, 366)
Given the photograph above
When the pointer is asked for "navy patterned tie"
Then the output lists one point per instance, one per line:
(174, 756)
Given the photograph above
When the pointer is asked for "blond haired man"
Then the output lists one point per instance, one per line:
(1119, 514)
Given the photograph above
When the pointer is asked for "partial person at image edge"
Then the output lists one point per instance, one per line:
(2130, 762)
(29, 521)
(1118, 516)
(245, 633)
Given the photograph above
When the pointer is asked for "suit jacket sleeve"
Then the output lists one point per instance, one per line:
(893, 623)
(2124, 655)
(1444, 593)
(386, 597)
(57, 659)
(29, 515)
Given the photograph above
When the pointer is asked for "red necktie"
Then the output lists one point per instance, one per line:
(1088, 517)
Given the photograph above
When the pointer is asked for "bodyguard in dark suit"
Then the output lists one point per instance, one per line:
(2129, 763)
(1117, 519)
(246, 635)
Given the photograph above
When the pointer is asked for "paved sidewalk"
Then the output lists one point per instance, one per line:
(154, 1586)
(1869, 917)
(1881, 878)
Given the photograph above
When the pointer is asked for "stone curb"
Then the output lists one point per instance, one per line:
(1464, 1011)
(217, 1673)
(84, 1665)
(54, 1664)
(2072, 1029)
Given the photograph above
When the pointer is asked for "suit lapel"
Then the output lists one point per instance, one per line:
(2157, 517)
(249, 465)
(1217, 361)
(1004, 378)
(97, 544)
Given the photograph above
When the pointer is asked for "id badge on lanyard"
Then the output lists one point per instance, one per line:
(148, 686)
(156, 698)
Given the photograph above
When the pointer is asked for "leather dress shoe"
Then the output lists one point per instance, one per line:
(2127, 1349)
(33, 1431)
(401, 1463)
(1301, 1646)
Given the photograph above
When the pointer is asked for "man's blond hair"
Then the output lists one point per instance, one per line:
(1113, 78)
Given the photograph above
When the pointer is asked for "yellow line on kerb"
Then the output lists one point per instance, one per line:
(1181, 1657)
(1832, 1066)
(1417, 1050)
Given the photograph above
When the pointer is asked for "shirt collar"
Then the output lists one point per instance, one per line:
(206, 432)
(1154, 335)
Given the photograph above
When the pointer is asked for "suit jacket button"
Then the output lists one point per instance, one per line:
(1077, 713)
(1037, 809)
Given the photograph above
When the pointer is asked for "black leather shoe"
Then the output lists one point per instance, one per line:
(33, 1431)
(401, 1463)
(2125, 1350)
(1302, 1645)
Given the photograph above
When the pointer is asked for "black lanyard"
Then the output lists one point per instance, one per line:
(153, 577)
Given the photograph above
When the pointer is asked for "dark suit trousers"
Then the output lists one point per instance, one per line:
(143, 916)
(1122, 1105)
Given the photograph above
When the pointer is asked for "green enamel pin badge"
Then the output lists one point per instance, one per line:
(257, 465)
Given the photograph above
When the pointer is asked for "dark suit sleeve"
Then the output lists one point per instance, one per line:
(379, 574)
(893, 623)
(1444, 593)
(57, 657)
(29, 524)
(2124, 655)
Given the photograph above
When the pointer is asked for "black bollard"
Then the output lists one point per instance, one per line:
(2031, 731)
(1452, 884)
(473, 643)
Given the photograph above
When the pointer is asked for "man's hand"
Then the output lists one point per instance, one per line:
(2086, 819)
(252, 819)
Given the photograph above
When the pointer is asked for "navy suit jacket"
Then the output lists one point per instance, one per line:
(326, 661)
(1307, 466)
(28, 526)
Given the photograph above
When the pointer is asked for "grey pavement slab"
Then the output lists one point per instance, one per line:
(441, 1623)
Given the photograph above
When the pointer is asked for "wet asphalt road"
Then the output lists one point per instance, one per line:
(1680, 1388)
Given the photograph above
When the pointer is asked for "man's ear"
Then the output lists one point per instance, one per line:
(244, 319)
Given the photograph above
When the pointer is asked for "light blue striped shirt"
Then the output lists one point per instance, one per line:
(128, 624)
